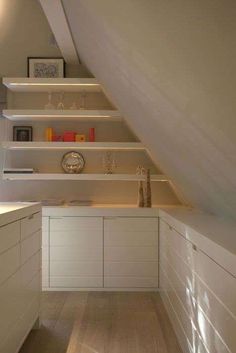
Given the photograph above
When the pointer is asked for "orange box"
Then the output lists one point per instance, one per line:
(48, 134)
(80, 138)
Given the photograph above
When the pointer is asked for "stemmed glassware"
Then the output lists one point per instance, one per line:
(49, 105)
(60, 105)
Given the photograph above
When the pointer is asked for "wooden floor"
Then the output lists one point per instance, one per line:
(102, 322)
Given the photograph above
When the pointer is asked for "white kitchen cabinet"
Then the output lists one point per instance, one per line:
(76, 252)
(20, 277)
(130, 252)
(199, 293)
(85, 248)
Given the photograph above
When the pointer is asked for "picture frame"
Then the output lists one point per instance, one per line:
(43, 67)
(22, 133)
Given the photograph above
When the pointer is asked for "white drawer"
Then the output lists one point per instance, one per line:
(79, 238)
(30, 246)
(131, 253)
(31, 224)
(130, 282)
(117, 238)
(76, 282)
(9, 263)
(73, 269)
(77, 224)
(123, 224)
(76, 253)
(9, 235)
(135, 269)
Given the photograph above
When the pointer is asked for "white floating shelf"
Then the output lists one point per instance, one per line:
(117, 146)
(92, 177)
(31, 84)
(61, 115)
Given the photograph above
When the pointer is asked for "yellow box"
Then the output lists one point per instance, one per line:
(80, 138)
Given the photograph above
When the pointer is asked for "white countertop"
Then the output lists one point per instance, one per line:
(11, 211)
(213, 235)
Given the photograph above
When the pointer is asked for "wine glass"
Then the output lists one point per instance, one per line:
(60, 105)
(49, 105)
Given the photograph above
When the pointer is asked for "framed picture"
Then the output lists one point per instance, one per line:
(46, 67)
(22, 133)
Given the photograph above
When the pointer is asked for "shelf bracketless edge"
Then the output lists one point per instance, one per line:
(34, 84)
(101, 177)
(118, 146)
(61, 115)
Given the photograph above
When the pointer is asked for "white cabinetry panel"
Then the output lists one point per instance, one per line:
(200, 291)
(130, 252)
(20, 279)
(76, 252)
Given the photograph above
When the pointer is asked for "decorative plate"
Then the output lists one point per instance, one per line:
(73, 162)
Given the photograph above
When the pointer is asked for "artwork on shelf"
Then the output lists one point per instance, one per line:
(22, 133)
(46, 67)
(73, 163)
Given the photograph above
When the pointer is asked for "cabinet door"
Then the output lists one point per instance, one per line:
(131, 252)
(76, 252)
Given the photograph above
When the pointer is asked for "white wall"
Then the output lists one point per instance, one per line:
(170, 67)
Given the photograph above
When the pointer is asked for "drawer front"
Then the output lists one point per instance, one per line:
(9, 263)
(76, 282)
(79, 238)
(73, 269)
(30, 246)
(135, 269)
(131, 238)
(130, 224)
(9, 235)
(81, 224)
(76, 253)
(30, 268)
(130, 282)
(31, 224)
(130, 253)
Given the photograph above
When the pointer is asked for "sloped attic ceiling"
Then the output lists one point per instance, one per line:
(170, 68)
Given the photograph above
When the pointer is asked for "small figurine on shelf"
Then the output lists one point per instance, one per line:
(148, 190)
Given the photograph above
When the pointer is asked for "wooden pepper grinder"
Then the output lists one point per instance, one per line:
(148, 190)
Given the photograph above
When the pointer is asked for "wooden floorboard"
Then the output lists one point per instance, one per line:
(102, 322)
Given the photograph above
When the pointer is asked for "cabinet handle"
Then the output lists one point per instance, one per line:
(31, 216)
(170, 228)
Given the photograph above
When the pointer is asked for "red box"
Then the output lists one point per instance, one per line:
(69, 136)
(57, 138)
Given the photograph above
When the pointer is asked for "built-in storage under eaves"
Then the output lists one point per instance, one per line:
(58, 115)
